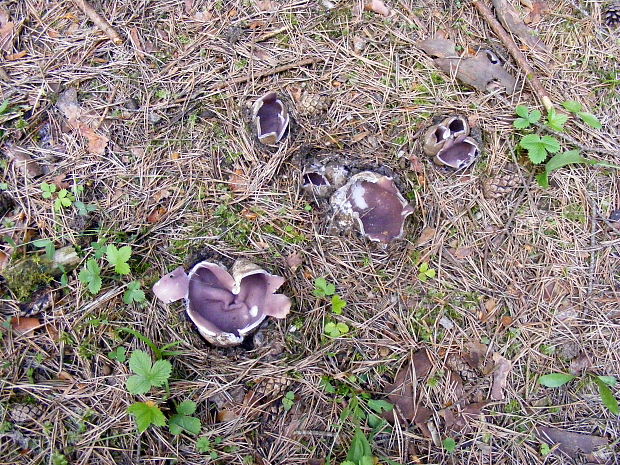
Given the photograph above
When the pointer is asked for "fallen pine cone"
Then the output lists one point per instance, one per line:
(312, 104)
(499, 186)
(25, 413)
(611, 16)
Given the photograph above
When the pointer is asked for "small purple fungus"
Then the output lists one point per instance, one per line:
(373, 202)
(458, 153)
(270, 118)
(225, 307)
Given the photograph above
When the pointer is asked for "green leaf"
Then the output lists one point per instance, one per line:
(449, 445)
(556, 120)
(288, 400)
(342, 328)
(133, 293)
(360, 447)
(545, 449)
(543, 179)
(534, 116)
(367, 460)
(380, 406)
(118, 258)
(538, 147)
(553, 380)
(179, 423)
(119, 354)
(608, 380)
(338, 304)
(607, 396)
(323, 288)
(522, 111)
(147, 413)
(90, 275)
(521, 123)
(590, 120)
(203, 445)
(48, 244)
(147, 374)
(572, 106)
(187, 407)
(4, 106)
(566, 158)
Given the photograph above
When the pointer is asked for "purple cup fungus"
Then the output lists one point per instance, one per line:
(458, 153)
(373, 202)
(321, 180)
(270, 118)
(225, 307)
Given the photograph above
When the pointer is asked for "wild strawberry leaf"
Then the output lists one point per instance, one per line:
(147, 414)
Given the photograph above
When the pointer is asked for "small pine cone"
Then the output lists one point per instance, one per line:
(312, 104)
(500, 185)
(271, 388)
(25, 413)
(611, 16)
(460, 366)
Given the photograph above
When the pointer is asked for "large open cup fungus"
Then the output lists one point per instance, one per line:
(448, 143)
(270, 118)
(373, 202)
(225, 307)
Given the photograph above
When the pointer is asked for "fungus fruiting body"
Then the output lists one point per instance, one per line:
(270, 118)
(225, 307)
(449, 144)
(373, 202)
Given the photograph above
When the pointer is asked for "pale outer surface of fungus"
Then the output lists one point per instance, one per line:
(271, 118)
(373, 202)
(225, 307)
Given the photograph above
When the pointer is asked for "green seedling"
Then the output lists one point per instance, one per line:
(288, 400)
(322, 288)
(64, 199)
(338, 304)
(84, 208)
(146, 414)
(603, 383)
(204, 446)
(527, 117)
(118, 258)
(147, 374)
(159, 353)
(183, 421)
(100, 248)
(119, 354)
(360, 452)
(48, 190)
(555, 120)
(449, 445)
(133, 293)
(48, 245)
(90, 275)
(425, 272)
(538, 148)
(335, 329)
(577, 109)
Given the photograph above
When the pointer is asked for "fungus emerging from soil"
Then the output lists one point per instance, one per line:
(458, 154)
(373, 202)
(225, 307)
(270, 118)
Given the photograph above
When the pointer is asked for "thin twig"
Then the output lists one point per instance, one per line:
(510, 45)
(271, 34)
(279, 69)
(99, 21)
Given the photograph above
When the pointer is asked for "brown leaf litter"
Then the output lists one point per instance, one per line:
(570, 443)
(77, 119)
(511, 20)
(500, 376)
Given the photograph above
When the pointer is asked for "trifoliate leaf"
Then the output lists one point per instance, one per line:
(522, 111)
(147, 413)
(118, 258)
(556, 120)
(187, 407)
(133, 293)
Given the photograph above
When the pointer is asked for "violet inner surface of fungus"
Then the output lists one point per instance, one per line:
(379, 207)
(459, 154)
(271, 118)
(315, 179)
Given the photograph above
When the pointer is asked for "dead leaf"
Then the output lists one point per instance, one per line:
(52, 332)
(511, 20)
(377, 6)
(426, 235)
(580, 364)
(156, 215)
(137, 42)
(60, 182)
(266, 5)
(238, 181)
(4, 259)
(25, 325)
(6, 31)
(538, 10)
(461, 420)
(16, 56)
(315, 462)
(226, 415)
(461, 253)
(475, 356)
(506, 321)
(161, 195)
(416, 164)
(294, 260)
(188, 6)
(478, 71)
(500, 376)
(401, 392)
(67, 103)
(257, 25)
(571, 444)
(23, 159)
(203, 16)
(360, 136)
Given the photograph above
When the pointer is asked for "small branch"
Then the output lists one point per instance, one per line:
(510, 45)
(279, 69)
(271, 34)
(99, 21)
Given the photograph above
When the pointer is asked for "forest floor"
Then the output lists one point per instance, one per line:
(147, 144)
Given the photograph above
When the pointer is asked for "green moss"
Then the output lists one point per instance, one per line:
(27, 276)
